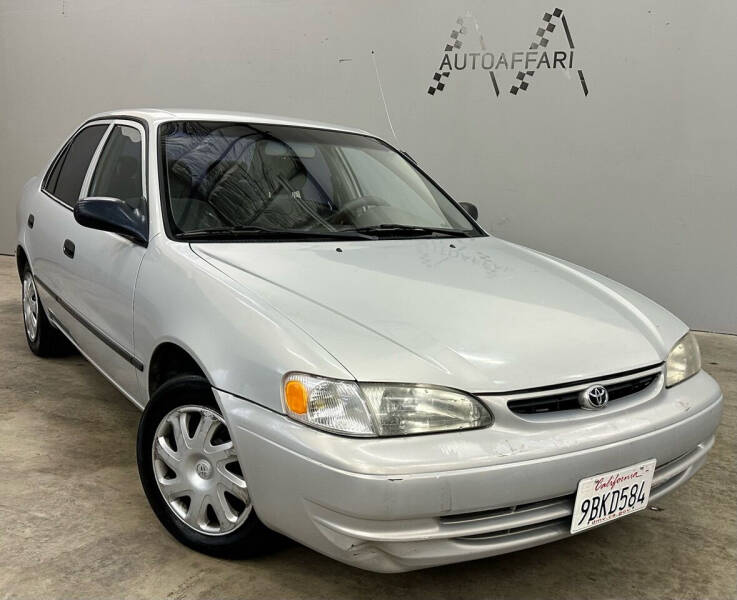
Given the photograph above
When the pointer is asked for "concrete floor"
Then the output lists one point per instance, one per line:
(75, 523)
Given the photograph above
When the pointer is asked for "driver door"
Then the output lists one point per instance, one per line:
(105, 265)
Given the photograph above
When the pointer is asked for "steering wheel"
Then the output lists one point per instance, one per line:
(359, 202)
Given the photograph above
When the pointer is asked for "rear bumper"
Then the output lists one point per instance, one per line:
(350, 499)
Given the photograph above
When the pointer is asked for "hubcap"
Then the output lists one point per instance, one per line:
(30, 307)
(197, 471)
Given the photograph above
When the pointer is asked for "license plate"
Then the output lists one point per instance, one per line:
(608, 496)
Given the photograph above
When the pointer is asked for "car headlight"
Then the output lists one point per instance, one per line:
(683, 361)
(378, 409)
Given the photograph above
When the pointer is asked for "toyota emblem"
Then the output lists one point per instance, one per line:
(594, 397)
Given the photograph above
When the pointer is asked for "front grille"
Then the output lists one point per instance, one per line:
(568, 399)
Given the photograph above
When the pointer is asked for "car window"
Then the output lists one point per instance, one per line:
(65, 180)
(118, 173)
(53, 175)
(284, 178)
(382, 180)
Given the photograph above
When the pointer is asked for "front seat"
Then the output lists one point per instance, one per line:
(265, 190)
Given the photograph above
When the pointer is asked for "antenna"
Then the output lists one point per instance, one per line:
(383, 98)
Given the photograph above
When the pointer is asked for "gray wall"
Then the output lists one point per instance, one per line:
(637, 180)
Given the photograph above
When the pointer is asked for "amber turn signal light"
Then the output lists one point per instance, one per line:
(295, 394)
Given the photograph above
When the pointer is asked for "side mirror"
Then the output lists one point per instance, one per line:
(470, 209)
(112, 214)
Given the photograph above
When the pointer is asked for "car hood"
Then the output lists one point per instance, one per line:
(478, 314)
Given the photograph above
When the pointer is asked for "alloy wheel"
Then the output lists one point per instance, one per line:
(197, 470)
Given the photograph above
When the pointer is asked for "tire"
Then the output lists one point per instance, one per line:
(43, 338)
(190, 471)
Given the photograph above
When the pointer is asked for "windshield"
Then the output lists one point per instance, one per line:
(269, 181)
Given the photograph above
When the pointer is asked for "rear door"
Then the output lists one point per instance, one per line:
(53, 219)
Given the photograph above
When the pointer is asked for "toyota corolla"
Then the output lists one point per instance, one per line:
(325, 344)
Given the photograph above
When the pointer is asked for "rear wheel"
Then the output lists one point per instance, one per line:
(191, 475)
(42, 337)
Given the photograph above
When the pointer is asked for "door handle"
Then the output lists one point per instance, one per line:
(69, 248)
(31, 220)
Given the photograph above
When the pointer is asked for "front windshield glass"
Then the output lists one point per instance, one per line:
(249, 180)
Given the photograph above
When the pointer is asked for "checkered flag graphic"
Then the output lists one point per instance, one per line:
(549, 24)
(455, 43)
(523, 79)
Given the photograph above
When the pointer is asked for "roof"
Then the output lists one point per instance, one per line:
(154, 115)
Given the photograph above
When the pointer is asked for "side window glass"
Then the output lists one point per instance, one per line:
(118, 173)
(53, 176)
(69, 171)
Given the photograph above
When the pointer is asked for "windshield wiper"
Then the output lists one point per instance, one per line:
(390, 228)
(255, 232)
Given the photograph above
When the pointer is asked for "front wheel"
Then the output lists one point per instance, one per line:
(191, 475)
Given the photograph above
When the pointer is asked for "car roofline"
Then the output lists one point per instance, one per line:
(155, 116)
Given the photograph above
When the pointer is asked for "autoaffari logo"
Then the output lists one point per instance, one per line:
(521, 65)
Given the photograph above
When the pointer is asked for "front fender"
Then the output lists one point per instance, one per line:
(242, 343)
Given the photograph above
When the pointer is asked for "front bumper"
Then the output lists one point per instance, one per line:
(407, 503)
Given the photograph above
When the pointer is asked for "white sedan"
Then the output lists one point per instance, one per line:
(325, 344)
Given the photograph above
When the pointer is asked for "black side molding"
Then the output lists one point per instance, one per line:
(114, 346)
